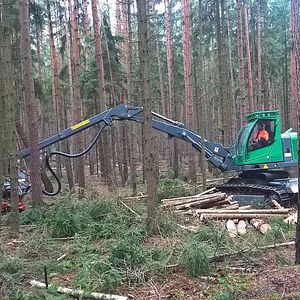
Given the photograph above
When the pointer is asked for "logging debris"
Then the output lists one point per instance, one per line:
(214, 205)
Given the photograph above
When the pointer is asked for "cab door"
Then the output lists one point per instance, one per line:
(268, 151)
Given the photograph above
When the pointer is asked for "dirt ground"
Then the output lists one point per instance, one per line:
(269, 280)
(273, 276)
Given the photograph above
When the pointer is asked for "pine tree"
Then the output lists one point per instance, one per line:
(149, 160)
(26, 61)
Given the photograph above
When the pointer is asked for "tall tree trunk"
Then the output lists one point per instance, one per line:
(160, 70)
(200, 88)
(294, 83)
(34, 163)
(54, 85)
(249, 67)
(8, 99)
(148, 131)
(161, 79)
(187, 61)
(86, 17)
(296, 43)
(259, 64)
(77, 113)
(66, 145)
(243, 107)
(101, 84)
(69, 59)
(171, 102)
(132, 138)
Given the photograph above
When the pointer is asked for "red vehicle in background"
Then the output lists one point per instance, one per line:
(23, 188)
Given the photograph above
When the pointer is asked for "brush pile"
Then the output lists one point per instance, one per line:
(212, 204)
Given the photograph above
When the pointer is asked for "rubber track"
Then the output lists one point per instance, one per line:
(264, 189)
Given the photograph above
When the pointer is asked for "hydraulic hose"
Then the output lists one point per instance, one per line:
(68, 155)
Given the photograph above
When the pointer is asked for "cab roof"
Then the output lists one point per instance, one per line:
(269, 114)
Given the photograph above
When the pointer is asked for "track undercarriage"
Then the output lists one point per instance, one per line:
(253, 187)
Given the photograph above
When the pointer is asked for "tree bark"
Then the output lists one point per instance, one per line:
(171, 102)
(187, 62)
(296, 44)
(8, 98)
(259, 64)
(243, 107)
(26, 60)
(249, 67)
(200, 87)
(77, 113)
(149, 160)
(294, 79)
(101, 84)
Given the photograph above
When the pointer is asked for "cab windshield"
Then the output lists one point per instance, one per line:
(241, 137)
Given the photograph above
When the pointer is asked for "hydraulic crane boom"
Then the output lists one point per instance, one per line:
(261, 166)
(215, 153)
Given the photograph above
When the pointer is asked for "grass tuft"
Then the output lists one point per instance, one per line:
(195, 259)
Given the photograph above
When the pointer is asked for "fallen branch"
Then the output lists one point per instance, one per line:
(228, 254)
(69, 238)
(136, 197)
(130, 209)
(80, 293)
(189, 228)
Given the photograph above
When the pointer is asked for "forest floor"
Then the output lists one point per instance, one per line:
(97, 244)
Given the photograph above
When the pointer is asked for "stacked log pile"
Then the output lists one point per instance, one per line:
(212, 204)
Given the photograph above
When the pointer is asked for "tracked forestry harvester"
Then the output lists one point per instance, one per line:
(262, 157)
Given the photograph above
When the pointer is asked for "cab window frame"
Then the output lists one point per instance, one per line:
(271, 133)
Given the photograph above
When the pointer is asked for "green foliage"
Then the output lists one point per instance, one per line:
(50, 294)
(98, 274)
(32, 216)
(128, 251)
(171, 188)
(167, 223)
(10, 265)
(195, 260)
(66, 219)
(227, 294)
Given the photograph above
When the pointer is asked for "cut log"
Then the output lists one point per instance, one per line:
(231, 228)
(240, 216)
(246, 211)
(292, 219)
(276, 204)
(80, 293)
(186, 200)
(241, 227)
(207, 191)
(212, 201)
(245, 207)
(283, 211)
(230, 206)
(260, 225)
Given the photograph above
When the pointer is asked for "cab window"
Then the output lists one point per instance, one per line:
(262, 134)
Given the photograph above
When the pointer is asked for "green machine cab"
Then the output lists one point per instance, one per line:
(279, 151)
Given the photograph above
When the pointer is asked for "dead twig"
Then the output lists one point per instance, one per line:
(130, 209)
